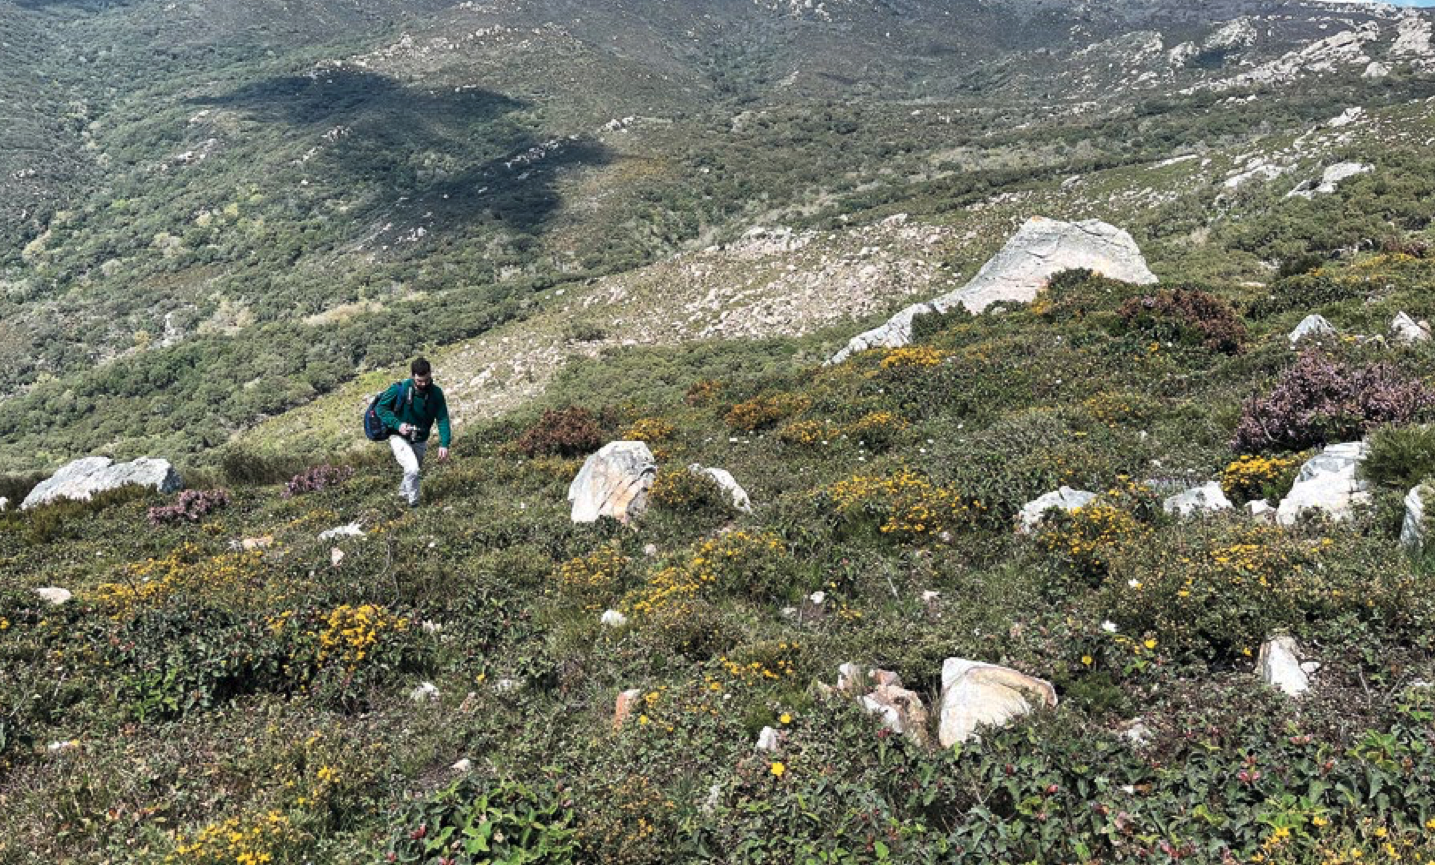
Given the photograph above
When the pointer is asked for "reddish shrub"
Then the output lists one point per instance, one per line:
(1186, 315)
(1322, 400)
(191, 507)
(571, 432)
(317, 478)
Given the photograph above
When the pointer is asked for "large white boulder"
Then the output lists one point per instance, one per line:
(613, 483)
(1066, 498)
(1041, 248)
(724, 479)
(976, 694)
(1327, 482)
(83, 478)
(1207, 498)
(1280, 666)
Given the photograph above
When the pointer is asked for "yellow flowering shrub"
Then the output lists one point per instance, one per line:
(252, 840)
(753, 563)
(151, 582)
(807, 433)
(650, 430)
(913, 357)
(1088, 537)
(703, 392)
(904, 504)
(594, 576)
(1114, 409)
(762, 412)
(352, 634)
(691, 492)
(1254, 477)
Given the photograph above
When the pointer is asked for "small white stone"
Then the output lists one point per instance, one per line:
(1108, 626)
(426, 692)
(613, 619)
(818, 598)
(650, 550)
(350, 530)
(336, 556)
(462, 765)
(766, 741)
(504, 686)
(1279, 666)
(431, 627)
(930, 596)
(54, 595)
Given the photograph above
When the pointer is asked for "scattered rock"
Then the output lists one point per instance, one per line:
(263, 542)
(462, 765)
(1280, 667)
(1413, 531)
(62, 746)
(613, 619)
(336, 556)
(1207, 498)
(650, 550)
(507, 686)
(930, 597)
(1137, 733)
(1407, 330)
(1065, 498)
(4, 504)
(54, 595)
(766, 741)
(902, 711)
(725, 480)
(974, 694)
(851, 677)
(1327, 482)
(1260, 509)
(426, 692)
(624, 707)
(613, 483)
(1040, 249)
(1311, 325)
(351, 530)
(83, 478)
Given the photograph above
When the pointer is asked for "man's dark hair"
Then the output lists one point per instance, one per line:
(421, 367)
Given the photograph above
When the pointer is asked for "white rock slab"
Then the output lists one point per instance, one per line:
(766, 741)
(1065, 498)
(1327, 482)
(1412, 530)
(1207, 498)
(351, 530)
(976, 694)
(54, 595)
(1407, 330)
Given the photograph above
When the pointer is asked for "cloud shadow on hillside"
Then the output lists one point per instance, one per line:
(437, 157)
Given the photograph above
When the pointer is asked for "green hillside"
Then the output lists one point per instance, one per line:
(199, 702)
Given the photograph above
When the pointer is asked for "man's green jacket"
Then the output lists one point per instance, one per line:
(418, 408)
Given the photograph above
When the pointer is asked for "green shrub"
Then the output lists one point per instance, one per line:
(1400, 456)
(1185, 315)
(473, 821)
(690, 492)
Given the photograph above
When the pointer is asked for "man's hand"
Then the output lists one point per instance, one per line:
(405, 429)
(442, 454)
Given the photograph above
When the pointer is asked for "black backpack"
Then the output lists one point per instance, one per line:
(374, 427)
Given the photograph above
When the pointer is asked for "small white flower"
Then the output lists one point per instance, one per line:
(1134, 583)
(1108, 626)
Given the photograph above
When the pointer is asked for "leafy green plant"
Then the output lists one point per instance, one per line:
(1400, 456)
(478, 822)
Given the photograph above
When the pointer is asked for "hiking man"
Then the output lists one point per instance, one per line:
(409, 409)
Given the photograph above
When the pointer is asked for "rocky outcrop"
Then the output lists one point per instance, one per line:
(1329, 180)
(724, 479)
(83, 478)
(1207, 498)
(1041, 248)
(1280, 666)
(54, 595)
(1327, 483)
(976, 694)
(1066, 498)
(349, 530)
(613, 483)
(1311, 326)
(625, 704)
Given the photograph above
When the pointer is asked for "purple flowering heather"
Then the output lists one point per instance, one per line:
(1322, 400)
(191, 507)
(315, 479)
